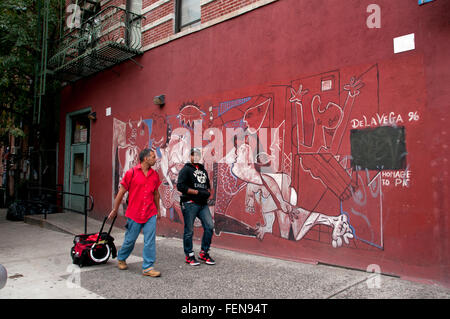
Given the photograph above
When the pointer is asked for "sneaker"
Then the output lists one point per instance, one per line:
(191, 260)
(151, 272)
(122, 265)
(206, 258)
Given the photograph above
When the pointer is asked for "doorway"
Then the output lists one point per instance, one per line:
(77, 159)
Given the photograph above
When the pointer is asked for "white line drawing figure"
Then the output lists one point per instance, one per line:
(274, 204)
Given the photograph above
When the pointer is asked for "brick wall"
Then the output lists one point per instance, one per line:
(157, 13)
(160, 17)
(159, 20)
(119, 3)
(146, 3)
(157, 33)
(218, 8)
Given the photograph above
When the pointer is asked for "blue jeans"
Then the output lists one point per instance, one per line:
(190, 212)
(132, 233)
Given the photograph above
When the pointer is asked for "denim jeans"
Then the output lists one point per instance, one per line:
(190, 212)
(132, 233)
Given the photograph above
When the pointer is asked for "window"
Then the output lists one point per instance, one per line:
(78, 164)
(80, 129)
(188, 14)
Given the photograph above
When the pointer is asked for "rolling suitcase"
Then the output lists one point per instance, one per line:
(94, 249)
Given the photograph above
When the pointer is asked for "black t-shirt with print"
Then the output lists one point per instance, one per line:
(194, 176)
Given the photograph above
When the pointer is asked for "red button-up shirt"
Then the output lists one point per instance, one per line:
(141, 189)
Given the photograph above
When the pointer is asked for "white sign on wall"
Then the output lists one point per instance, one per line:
(404, 43)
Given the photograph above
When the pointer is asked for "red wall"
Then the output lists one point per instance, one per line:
(265, 55)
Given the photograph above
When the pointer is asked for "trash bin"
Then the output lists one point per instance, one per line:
(16, 211)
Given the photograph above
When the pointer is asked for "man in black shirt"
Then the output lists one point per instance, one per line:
(193, 183)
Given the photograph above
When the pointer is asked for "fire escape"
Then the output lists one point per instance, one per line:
(99, 39)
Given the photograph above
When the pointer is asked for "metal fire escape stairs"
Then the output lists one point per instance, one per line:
(104, 38)
(97, 39)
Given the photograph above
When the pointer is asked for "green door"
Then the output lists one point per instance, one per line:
(76, 163)
(79, 175)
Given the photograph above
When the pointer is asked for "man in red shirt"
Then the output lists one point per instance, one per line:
(141, 182)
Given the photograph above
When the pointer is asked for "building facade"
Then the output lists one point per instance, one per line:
(322, 123)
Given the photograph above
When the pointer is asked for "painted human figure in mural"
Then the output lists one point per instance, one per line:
(276, 206)
(317, 146)
(169, 152)
(129, 139)
(173, 150)
(173, 158)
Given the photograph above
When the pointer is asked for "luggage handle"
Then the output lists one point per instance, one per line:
(103, 224)
(110, 228)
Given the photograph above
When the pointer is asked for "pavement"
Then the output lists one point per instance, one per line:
(36, 256)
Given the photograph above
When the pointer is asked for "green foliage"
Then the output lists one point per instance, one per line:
(20, 51)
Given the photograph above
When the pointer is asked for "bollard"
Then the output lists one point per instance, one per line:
(3, 276)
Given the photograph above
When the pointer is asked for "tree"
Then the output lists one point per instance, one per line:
(21, 32)
(23, 26)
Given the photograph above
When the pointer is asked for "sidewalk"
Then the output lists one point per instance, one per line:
(39, 265)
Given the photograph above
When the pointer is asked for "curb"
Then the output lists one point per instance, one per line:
(43, 223)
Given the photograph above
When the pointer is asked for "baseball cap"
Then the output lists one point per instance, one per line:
(196, 150)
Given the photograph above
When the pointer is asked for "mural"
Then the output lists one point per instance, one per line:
(285, 161)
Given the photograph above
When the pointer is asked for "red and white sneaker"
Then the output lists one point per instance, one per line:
(206, 258)
(191, 260)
